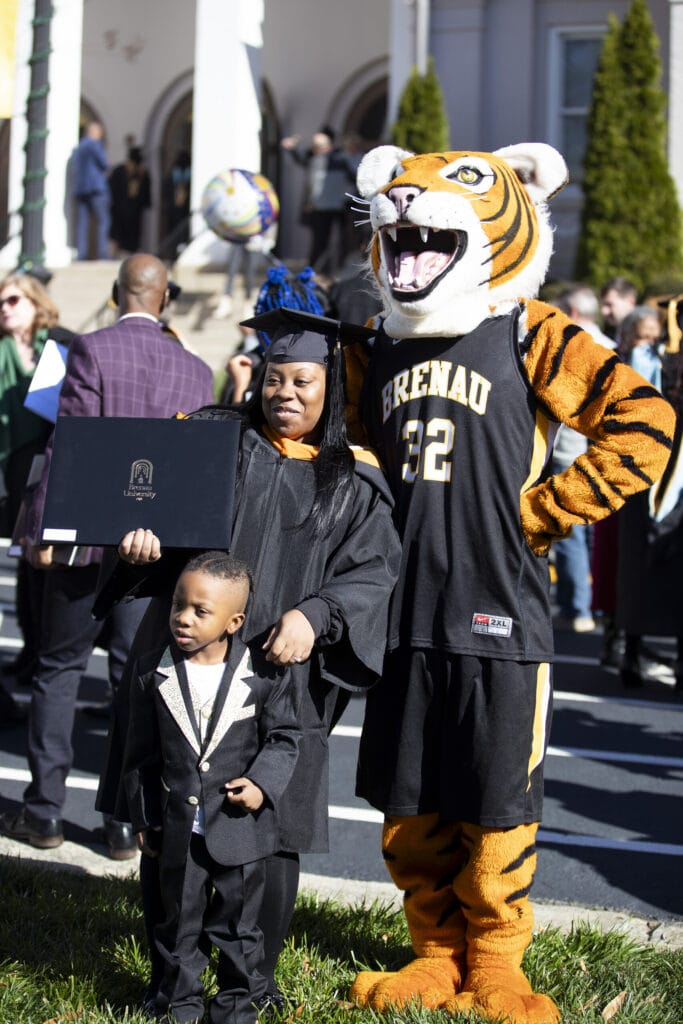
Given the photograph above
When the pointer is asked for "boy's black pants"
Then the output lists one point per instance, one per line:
(207, 904)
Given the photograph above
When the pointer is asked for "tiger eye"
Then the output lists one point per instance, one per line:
(468, 176)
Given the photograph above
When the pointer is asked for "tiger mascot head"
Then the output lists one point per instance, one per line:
(457, 236)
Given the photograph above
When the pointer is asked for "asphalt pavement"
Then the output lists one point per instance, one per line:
(610, 848)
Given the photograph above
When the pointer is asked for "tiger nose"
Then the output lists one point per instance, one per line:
(402, 196)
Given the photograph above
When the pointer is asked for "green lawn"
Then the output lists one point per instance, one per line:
(72, 950)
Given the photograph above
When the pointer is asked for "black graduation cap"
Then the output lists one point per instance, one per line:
(298, 337)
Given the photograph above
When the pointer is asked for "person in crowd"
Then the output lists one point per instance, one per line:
(281, 287)
(245, 258)
(581, 304)
(27, 317)
(176, 202)
(313, 520)
(130, 190)
(353, 294)
(639, 340)
(91, 191)
(572, 553)
(618, 296)
(330, 174)
(204, 787)
(237, 383)
(129, 369)
(650, 553)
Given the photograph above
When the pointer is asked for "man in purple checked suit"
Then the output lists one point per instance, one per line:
(130, 369)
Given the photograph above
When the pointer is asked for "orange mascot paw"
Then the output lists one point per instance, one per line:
(431, 981)
(504, 994)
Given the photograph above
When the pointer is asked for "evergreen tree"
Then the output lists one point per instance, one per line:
(605, 175)
(631, 221)
(422, 125)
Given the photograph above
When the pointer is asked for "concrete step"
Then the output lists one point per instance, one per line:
(82, 292)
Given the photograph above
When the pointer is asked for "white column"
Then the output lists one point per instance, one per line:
(422, 35)
(226, 107)
(401, 53)
(9, 254)
(66, 32)
(63, 113)
(676, 94)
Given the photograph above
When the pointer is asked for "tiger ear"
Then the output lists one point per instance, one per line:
(378, 167)
(540, 168)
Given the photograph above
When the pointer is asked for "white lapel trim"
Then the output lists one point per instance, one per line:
(235, 707)
(171, 694)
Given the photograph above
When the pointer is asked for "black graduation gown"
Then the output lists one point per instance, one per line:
(341, 582)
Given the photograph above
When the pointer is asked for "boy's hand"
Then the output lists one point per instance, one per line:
(40, 556)
(140, 547)
(291, 640)
(149, 841)
(244, 793)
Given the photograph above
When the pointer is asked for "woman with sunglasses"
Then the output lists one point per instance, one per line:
(27, 316)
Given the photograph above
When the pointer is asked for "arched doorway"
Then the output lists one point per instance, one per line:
(367, 117)
(360, 107)
(174, 149)
(175, 163)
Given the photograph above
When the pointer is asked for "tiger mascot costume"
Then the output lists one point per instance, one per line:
(466, 381)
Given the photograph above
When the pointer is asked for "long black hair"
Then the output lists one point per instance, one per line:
(334, 464)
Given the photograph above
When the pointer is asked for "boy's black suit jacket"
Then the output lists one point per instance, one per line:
(253, 732)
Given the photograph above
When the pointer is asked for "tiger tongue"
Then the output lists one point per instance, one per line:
(417, 270)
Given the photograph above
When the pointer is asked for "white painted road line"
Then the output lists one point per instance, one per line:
(602, 843)
(12, 643)
(616, 757)
(556, 838)
(72, 782)
(356, 814)
(570, 697)
(585, 753)
(371, 816)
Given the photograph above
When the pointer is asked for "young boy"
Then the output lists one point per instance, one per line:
(211, 746)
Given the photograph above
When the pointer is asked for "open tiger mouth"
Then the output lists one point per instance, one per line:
(417, 258)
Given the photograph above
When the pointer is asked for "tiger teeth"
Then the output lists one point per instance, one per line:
(392, 234)
(424, 235)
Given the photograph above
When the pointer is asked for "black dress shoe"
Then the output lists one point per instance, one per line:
(22, 661)
(630, 674)
(120, 841)
(44, 833)
(270, 1004)
(149, 1005)
(11, 711)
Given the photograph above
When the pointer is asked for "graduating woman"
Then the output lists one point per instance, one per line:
(313, 520)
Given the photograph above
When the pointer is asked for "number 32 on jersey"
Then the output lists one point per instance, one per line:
(429, 447)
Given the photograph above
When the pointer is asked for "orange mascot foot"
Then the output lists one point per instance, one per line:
(503, 993)
(429, 980)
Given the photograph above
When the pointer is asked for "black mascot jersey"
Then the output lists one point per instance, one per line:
(454, 421)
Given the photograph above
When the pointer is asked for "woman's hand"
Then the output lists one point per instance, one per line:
(291, 640)
(244, 793)
(140, 547)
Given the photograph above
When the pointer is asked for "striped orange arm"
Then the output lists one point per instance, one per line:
(586, 386)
